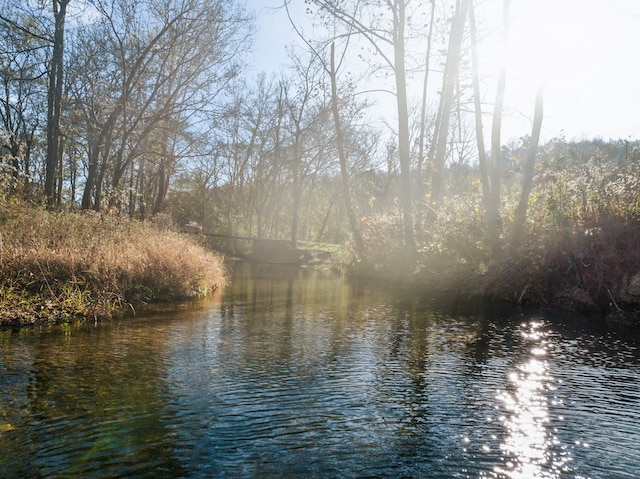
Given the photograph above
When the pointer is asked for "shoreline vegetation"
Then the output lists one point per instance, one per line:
(578, 250)
(61, 267)
(590, 271)
(151, 114)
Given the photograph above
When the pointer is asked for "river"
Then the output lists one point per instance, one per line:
(296, 373)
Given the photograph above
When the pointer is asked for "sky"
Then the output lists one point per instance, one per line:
(585, 52)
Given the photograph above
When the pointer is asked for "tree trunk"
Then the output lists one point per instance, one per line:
(527, 179)
(423, 107)
(482, 153)
(59, 172)
(162, 178)
(404, 148)
(54, 101)
(448, 87)
(494, 221)
(421, 193)
(295, 195)
(163, 183)
(141, 187)
(342, 156)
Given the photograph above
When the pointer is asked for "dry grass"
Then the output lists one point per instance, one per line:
(63, 266)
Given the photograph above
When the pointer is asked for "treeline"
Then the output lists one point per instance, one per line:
(122, 105)
(147, 106)
(103, 101)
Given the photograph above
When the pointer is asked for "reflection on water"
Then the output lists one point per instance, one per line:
(294, 373)
(529, 445)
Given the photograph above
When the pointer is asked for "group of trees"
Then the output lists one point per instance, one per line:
(129, 87)
(148, 109)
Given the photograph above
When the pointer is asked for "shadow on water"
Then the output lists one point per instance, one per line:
(297, 373)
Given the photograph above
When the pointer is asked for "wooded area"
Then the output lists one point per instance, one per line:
(150, 109)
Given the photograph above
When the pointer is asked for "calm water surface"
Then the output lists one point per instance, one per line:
(297, 374)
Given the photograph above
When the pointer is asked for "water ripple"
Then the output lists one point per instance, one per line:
(349, 385)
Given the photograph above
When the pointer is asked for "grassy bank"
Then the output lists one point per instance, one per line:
(58, 267)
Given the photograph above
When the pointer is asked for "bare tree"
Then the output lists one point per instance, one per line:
(342, 156)
(299, 96)
(494, 222)
(475, 76)
(54, 100)
(383, 24)
(449, 80)
(166, 64)
(425, 84)
(23, 86)
(331, 68)
(490, 168)
(529, 167)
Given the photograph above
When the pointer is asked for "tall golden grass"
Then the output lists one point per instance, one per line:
(64, 266)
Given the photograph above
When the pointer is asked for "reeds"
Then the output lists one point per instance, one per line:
(66, 266)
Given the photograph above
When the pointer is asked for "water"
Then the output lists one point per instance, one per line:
(298, 374)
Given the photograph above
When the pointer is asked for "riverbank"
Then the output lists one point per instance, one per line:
(593, 269)
(582, 269)
(72, 266)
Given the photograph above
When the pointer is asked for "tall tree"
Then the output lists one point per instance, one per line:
(22, 89)
(300, 95)
(54, 100)
(331, 68)
(158, 67)
(494, 222)
(475, 79)
(490, 168)
(425, 84)
(387, 35)
(529, 167)
(441, 132)
(342, 157)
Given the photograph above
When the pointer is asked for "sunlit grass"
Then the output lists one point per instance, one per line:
(66, 266)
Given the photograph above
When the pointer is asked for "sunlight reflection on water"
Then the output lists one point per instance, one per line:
(530, 449)
(294, 374)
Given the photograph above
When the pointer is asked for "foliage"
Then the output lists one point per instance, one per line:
(588, 270)
(582, 244)
(62, 266)
(382, 236)
(583, 247)
(157, 118)
(587, 194)
(140, 80)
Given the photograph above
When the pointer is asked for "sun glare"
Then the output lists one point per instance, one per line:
(548, 41)
(528, 445)
(577, 49)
